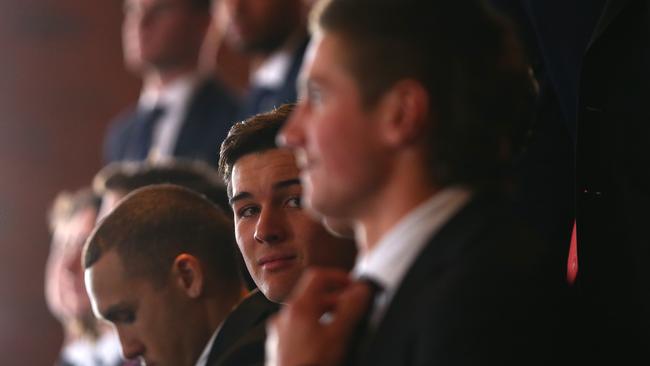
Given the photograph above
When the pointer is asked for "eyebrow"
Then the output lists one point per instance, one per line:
(276, 186)
(113, 311)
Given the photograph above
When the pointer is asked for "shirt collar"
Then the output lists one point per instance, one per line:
(174, 95)
(203, 359)
(388, 262)
(272, 73)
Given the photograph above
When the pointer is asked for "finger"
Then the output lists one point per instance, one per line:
(352, 305)
(318, 282)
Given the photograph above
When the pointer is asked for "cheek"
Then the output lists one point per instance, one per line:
(245, 242)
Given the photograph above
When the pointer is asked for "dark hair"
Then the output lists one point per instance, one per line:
(255, 134)
(67, 204)
(465, 56)
(202, 5)
(153, 225)
(195, 175)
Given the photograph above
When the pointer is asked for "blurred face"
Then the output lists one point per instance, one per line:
(64, 283)
(262, 25)
(335, 137)
(162, 33)
(277, 238)
(151, 323)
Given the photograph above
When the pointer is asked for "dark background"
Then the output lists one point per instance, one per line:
(61, 80)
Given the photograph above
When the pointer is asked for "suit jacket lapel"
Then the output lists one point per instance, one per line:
(611, 10)
(250, 312)
(432, 261)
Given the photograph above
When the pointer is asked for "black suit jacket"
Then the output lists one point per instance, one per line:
(482, 292)
(211, 112)
(243, 334)
(592, 58)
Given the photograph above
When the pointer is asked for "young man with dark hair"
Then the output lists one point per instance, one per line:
(161, 268)
(277, 238)
(409, 114)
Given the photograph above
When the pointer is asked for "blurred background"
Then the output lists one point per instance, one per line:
(61, 81)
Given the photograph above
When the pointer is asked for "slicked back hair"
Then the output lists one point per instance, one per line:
(153, 225)
(466, 57)
(256, 134)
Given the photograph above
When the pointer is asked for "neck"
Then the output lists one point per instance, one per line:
(407, 188)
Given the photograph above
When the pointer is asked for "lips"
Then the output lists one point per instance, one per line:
(277, 262)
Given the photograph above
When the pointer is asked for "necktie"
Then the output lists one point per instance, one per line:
(141, 143)
(361, 332)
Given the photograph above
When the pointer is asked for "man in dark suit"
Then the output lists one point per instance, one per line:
(409, 114)
(181, 112)
(591, 59)
(273, 33)
(277, 238)
(161, 267)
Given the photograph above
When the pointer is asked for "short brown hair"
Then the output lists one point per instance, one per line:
(255, 134)
(466, 57)
(153, 225)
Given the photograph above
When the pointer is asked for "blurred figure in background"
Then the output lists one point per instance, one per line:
(180, 111)
(86, 341)
(116, 180)
(273, 33)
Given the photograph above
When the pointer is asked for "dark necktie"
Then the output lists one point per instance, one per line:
(141, 144)
(358, 340)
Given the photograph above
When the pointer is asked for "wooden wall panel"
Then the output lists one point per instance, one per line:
(61, 80)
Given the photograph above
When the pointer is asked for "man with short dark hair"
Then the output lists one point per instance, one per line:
(276, 237)
(161, 268)
(409, 114)
(181, 111)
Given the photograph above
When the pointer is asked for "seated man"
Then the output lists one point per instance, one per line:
(410, 113)
(86, 341)
(277, 238)
(161, 268)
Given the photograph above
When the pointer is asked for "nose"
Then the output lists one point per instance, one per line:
(131, 346)
(270, 228)
(292, 134)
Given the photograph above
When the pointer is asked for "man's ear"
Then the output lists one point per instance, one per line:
(403, 112)
(188, 274)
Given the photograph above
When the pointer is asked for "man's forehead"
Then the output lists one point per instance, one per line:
(269, 170)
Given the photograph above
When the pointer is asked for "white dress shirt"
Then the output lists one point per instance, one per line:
(106, 350)
(388, 262)
(175, 99)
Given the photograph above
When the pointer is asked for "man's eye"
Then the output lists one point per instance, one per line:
(123, 317)
(294, 202)
(247, 211)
